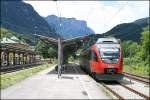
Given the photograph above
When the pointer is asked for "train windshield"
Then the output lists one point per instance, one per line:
(110, 55)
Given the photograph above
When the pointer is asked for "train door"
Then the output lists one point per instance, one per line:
(88, 58)
(85, 60)
(94, 63)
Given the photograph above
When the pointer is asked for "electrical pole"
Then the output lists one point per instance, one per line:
(59, 47)
(59, 57)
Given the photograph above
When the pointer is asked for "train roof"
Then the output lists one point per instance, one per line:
(110, 40)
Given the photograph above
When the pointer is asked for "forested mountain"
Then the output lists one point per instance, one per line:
(21, 17)
(70, 27)
(142, 22)
(129, 31)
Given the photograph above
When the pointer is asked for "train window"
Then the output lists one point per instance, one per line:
(94, 56)
(110, 55)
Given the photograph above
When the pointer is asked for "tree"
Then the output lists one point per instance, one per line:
(145, 44)
(52, 52)
(42, 49)
(46, 50)
(128, 46)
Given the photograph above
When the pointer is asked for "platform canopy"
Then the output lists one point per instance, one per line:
(61, 43)
(65, 42)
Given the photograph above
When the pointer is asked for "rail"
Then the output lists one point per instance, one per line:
(116, 94)
(137, 77)
(9, 69)
(133, 90)
(113, 92)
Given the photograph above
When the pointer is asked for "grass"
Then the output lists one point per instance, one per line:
(12, 78)
(139, 70)
(135, 66)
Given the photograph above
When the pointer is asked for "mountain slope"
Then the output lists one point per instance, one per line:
(70, 26)
(129, 31)
(20, 17)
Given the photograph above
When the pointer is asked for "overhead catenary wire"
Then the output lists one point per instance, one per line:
(108, 22)
(60, 22)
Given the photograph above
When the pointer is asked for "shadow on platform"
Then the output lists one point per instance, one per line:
(68, 69)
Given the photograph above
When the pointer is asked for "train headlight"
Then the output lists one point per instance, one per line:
(117, 60)
(110, 61)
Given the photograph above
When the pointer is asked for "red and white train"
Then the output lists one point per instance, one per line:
(103, 59)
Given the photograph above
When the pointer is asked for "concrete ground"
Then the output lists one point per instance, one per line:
(74, 84)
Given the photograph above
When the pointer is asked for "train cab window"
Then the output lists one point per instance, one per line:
(94, 56)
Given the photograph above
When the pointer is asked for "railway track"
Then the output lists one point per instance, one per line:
(17, 68)
(137, 77)
(121, 91)
(10, 69)
(126, 89)
(113, 92)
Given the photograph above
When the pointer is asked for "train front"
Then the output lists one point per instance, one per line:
(110, 58)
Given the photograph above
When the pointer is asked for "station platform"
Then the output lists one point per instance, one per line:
(73, 84)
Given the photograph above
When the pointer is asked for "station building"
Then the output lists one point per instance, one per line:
(15, 52)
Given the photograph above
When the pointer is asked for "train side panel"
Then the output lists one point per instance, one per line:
(102, 71)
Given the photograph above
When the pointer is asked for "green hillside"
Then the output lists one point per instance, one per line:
(136, 55)
(129, 31)
(22, 37)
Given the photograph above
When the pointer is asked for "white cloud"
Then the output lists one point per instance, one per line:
(95, 13)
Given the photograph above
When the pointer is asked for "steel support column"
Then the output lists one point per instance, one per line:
(59, 56)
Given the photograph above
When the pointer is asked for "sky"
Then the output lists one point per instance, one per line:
(101, 16)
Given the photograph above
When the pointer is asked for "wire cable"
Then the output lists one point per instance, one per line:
(115, 14)
(60, 23)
